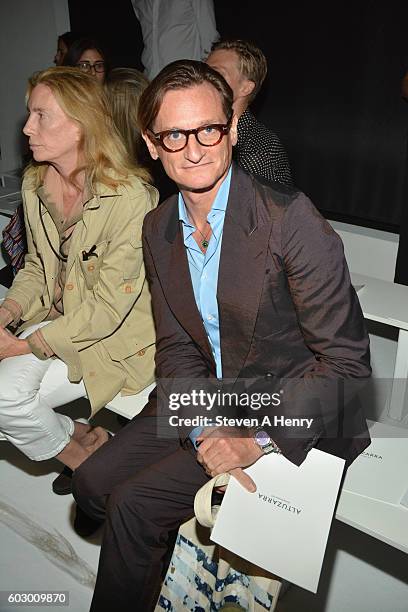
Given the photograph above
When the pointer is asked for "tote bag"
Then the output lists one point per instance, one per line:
(203, 577)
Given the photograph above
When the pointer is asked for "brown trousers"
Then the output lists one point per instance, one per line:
(143, 486)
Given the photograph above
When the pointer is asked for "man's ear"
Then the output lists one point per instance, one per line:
(151, 146)
(246, 87)
(234, 130)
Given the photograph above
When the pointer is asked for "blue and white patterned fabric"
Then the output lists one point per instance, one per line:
(198, 580)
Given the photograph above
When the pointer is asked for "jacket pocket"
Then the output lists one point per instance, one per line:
(133, 264)
(120, 346)
(90, 259)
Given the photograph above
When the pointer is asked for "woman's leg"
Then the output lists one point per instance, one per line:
(57, 390)
(30, 389)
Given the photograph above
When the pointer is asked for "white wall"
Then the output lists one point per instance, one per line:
(28, 39)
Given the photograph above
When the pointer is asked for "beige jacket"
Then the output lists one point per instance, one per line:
(106, 336)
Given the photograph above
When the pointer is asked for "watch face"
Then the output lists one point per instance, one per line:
(262, 438)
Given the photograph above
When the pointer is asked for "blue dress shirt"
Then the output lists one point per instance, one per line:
(204, 270)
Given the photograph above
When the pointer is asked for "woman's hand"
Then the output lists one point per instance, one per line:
(10, 346)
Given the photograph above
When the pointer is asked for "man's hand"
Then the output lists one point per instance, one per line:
(10, 346)
(223, 450)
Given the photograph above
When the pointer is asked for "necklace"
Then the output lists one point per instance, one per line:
(205, 242)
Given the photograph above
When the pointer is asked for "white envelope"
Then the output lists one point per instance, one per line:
(284, 526)
(380, 471)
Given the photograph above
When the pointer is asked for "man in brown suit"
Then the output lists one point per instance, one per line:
(249, 285)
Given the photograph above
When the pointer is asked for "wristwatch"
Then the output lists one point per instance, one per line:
(265, 442)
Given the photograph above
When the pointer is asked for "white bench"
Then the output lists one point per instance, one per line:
(368, 251)
(129, 406)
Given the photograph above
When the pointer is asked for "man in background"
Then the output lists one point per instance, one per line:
(258, 151)
(175, 30)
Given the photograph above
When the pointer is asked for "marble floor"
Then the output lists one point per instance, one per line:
(39, 549)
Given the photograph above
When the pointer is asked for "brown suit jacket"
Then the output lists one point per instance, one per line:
(289, 317)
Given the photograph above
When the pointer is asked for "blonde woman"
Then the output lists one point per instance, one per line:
(80, 309)
(123, 87)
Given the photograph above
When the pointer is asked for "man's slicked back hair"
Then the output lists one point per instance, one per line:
(181, 74)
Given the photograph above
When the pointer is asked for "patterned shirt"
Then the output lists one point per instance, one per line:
(260, 152)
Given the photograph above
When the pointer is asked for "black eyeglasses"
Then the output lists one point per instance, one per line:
(88, 66)
(206, 135)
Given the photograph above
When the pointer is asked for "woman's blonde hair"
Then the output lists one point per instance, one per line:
(124, 86)
(104, 156)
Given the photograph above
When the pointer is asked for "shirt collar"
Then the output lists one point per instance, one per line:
(220, 200)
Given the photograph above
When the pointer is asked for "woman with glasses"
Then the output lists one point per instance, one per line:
(88, 55)
(77, 319)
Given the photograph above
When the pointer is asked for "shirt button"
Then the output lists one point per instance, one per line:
(210, 318)
(69, 286)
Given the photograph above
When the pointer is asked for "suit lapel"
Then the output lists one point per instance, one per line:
(175, 278)
(240, 277)
(242, 272)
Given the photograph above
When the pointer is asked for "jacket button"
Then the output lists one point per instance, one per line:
(92, 373)
(141, 352)
(69, 286)
(128, 289)
(269, 375)
(91, 268)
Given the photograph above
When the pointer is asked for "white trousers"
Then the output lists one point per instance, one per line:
(30, 389)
